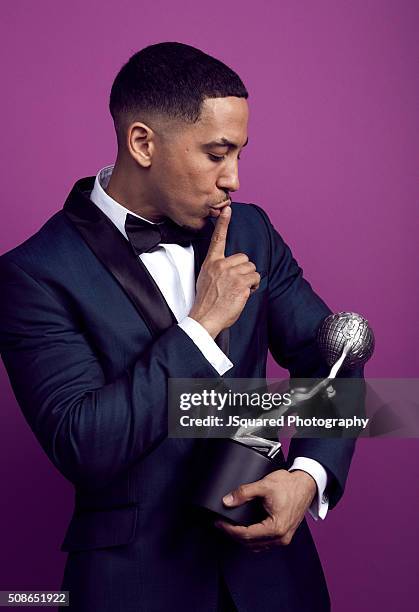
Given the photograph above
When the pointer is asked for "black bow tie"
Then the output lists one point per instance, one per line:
(144, 236)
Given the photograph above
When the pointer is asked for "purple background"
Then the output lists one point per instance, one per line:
(333, 158)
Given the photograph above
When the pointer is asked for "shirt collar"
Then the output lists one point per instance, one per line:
(110, 207)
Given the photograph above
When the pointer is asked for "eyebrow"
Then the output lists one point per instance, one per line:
(224, 142)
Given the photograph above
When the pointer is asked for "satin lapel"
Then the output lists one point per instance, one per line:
(116, 254)
(200, 251)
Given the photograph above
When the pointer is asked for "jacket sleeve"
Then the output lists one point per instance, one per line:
(91, 429)
(295, 313)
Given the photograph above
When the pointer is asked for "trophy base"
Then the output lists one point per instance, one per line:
(229, 464)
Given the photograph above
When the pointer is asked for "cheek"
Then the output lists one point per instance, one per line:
(188, 178)
(202, 178)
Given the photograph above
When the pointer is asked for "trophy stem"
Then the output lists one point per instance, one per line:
(337, 365)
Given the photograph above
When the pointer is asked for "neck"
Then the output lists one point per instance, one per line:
(126, 188)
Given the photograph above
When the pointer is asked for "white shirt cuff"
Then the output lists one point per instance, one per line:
(206, 345)
(320, 504)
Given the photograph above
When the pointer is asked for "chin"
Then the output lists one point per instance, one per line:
(193, 224)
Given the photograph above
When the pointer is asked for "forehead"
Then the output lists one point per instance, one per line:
(223, 118)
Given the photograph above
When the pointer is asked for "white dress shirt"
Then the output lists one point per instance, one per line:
(173, 269)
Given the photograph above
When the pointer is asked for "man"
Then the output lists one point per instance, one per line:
(100, 308)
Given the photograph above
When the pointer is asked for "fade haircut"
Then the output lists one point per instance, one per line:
(169, 79)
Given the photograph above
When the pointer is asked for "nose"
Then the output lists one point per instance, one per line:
(229, 179)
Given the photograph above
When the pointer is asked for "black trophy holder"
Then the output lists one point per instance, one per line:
(229, 464)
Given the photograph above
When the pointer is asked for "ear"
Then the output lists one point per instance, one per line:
(140, 143)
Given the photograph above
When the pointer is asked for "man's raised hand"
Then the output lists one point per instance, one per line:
(224, 283)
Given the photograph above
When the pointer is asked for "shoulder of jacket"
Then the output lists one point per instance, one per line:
(46, 242)
(249, 212)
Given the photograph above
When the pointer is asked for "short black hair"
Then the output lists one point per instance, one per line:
(171, 79)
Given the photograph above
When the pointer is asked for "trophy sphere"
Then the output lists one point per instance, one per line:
(336, 330)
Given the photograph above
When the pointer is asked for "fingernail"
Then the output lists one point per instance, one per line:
(228, 499)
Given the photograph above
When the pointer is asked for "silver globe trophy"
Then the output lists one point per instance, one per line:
(346, 341)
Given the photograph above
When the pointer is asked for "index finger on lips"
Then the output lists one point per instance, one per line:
(218, 241)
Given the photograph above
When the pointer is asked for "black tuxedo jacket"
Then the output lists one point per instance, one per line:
(89, 343)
